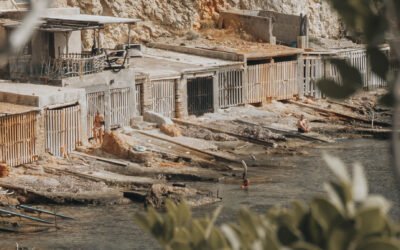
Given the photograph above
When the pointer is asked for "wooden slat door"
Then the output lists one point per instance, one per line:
(63, 130)
(164, 96)
(120, 107)
(18, 138)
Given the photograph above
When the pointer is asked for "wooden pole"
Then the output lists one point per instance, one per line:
(129, 44)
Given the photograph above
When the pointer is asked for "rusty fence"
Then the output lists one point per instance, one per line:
(121, 105)
(164, 97)
(200, 92)
(95, 102)
(231, 87)
(63, 130)
(18, 138)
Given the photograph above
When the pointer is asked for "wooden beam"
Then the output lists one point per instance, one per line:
(346, 116)
(240, 137)
(217, 156)
(115, 162)
(288, 132)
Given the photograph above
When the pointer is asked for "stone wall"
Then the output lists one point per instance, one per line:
(258, 27)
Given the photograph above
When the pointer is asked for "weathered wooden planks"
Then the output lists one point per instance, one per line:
(120, 107)
(272, 81)
(163, 97)
(231, 87)
(95, 102)
(139, 98)
(314, 70)
(18, 138)
(63, 130)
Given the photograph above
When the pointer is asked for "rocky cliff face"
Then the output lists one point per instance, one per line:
(174, 17)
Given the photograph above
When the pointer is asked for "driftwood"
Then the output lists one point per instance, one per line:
(355, 108)
(217, 156)
(240, 137)
(115, 162)
(288, 133)
(346, 116)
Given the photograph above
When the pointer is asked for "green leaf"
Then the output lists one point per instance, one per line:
(377, 201)
(379, 61)
(287, 236)
(370, 221)
(333, 90)
(337, 167)
(184, 214)
(351, 81)
(325, 213)
(360, 185)
(232, 237)
(212, 222)
(387, 100)
(344, 191)
(381, 244)
(304, 246)
(341, 237)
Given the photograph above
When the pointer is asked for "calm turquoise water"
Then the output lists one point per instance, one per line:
(114, 228)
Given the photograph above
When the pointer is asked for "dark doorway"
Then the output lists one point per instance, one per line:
(200, 96)
(52, 48)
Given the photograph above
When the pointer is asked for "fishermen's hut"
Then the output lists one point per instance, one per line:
(271, 72)
(36, 118)
(180, 84)
(317, 66)
(55, 57)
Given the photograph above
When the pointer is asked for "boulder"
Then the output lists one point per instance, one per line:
(114, 145)
(157, 118)
(171, 130)
(4, 170)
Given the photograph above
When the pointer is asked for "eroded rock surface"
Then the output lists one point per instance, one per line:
(167, 18)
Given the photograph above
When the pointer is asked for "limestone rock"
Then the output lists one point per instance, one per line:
(150, 116)
(4, 170)
(171, 130)
(163, 18)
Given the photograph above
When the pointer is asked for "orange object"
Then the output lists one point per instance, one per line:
(246, 184)
(172, 164)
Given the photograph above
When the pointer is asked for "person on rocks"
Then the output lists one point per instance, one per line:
(246, 182)
(302, 125)
(98, 127)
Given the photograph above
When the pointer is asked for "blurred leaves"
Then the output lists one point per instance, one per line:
(345, 218)
(351, 80)
(374, 20)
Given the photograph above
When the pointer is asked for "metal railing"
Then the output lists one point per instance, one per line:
(66, 65)
(73, 65)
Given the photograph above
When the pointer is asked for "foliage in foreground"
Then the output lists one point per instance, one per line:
(345, 218)
(376, 20)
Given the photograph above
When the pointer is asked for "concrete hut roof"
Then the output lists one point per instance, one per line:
(69, 19)
(13, 109)
(160, 63)
(180, 57)
(157, 68)
(325, 46)
(226, 44)
(39, 96)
